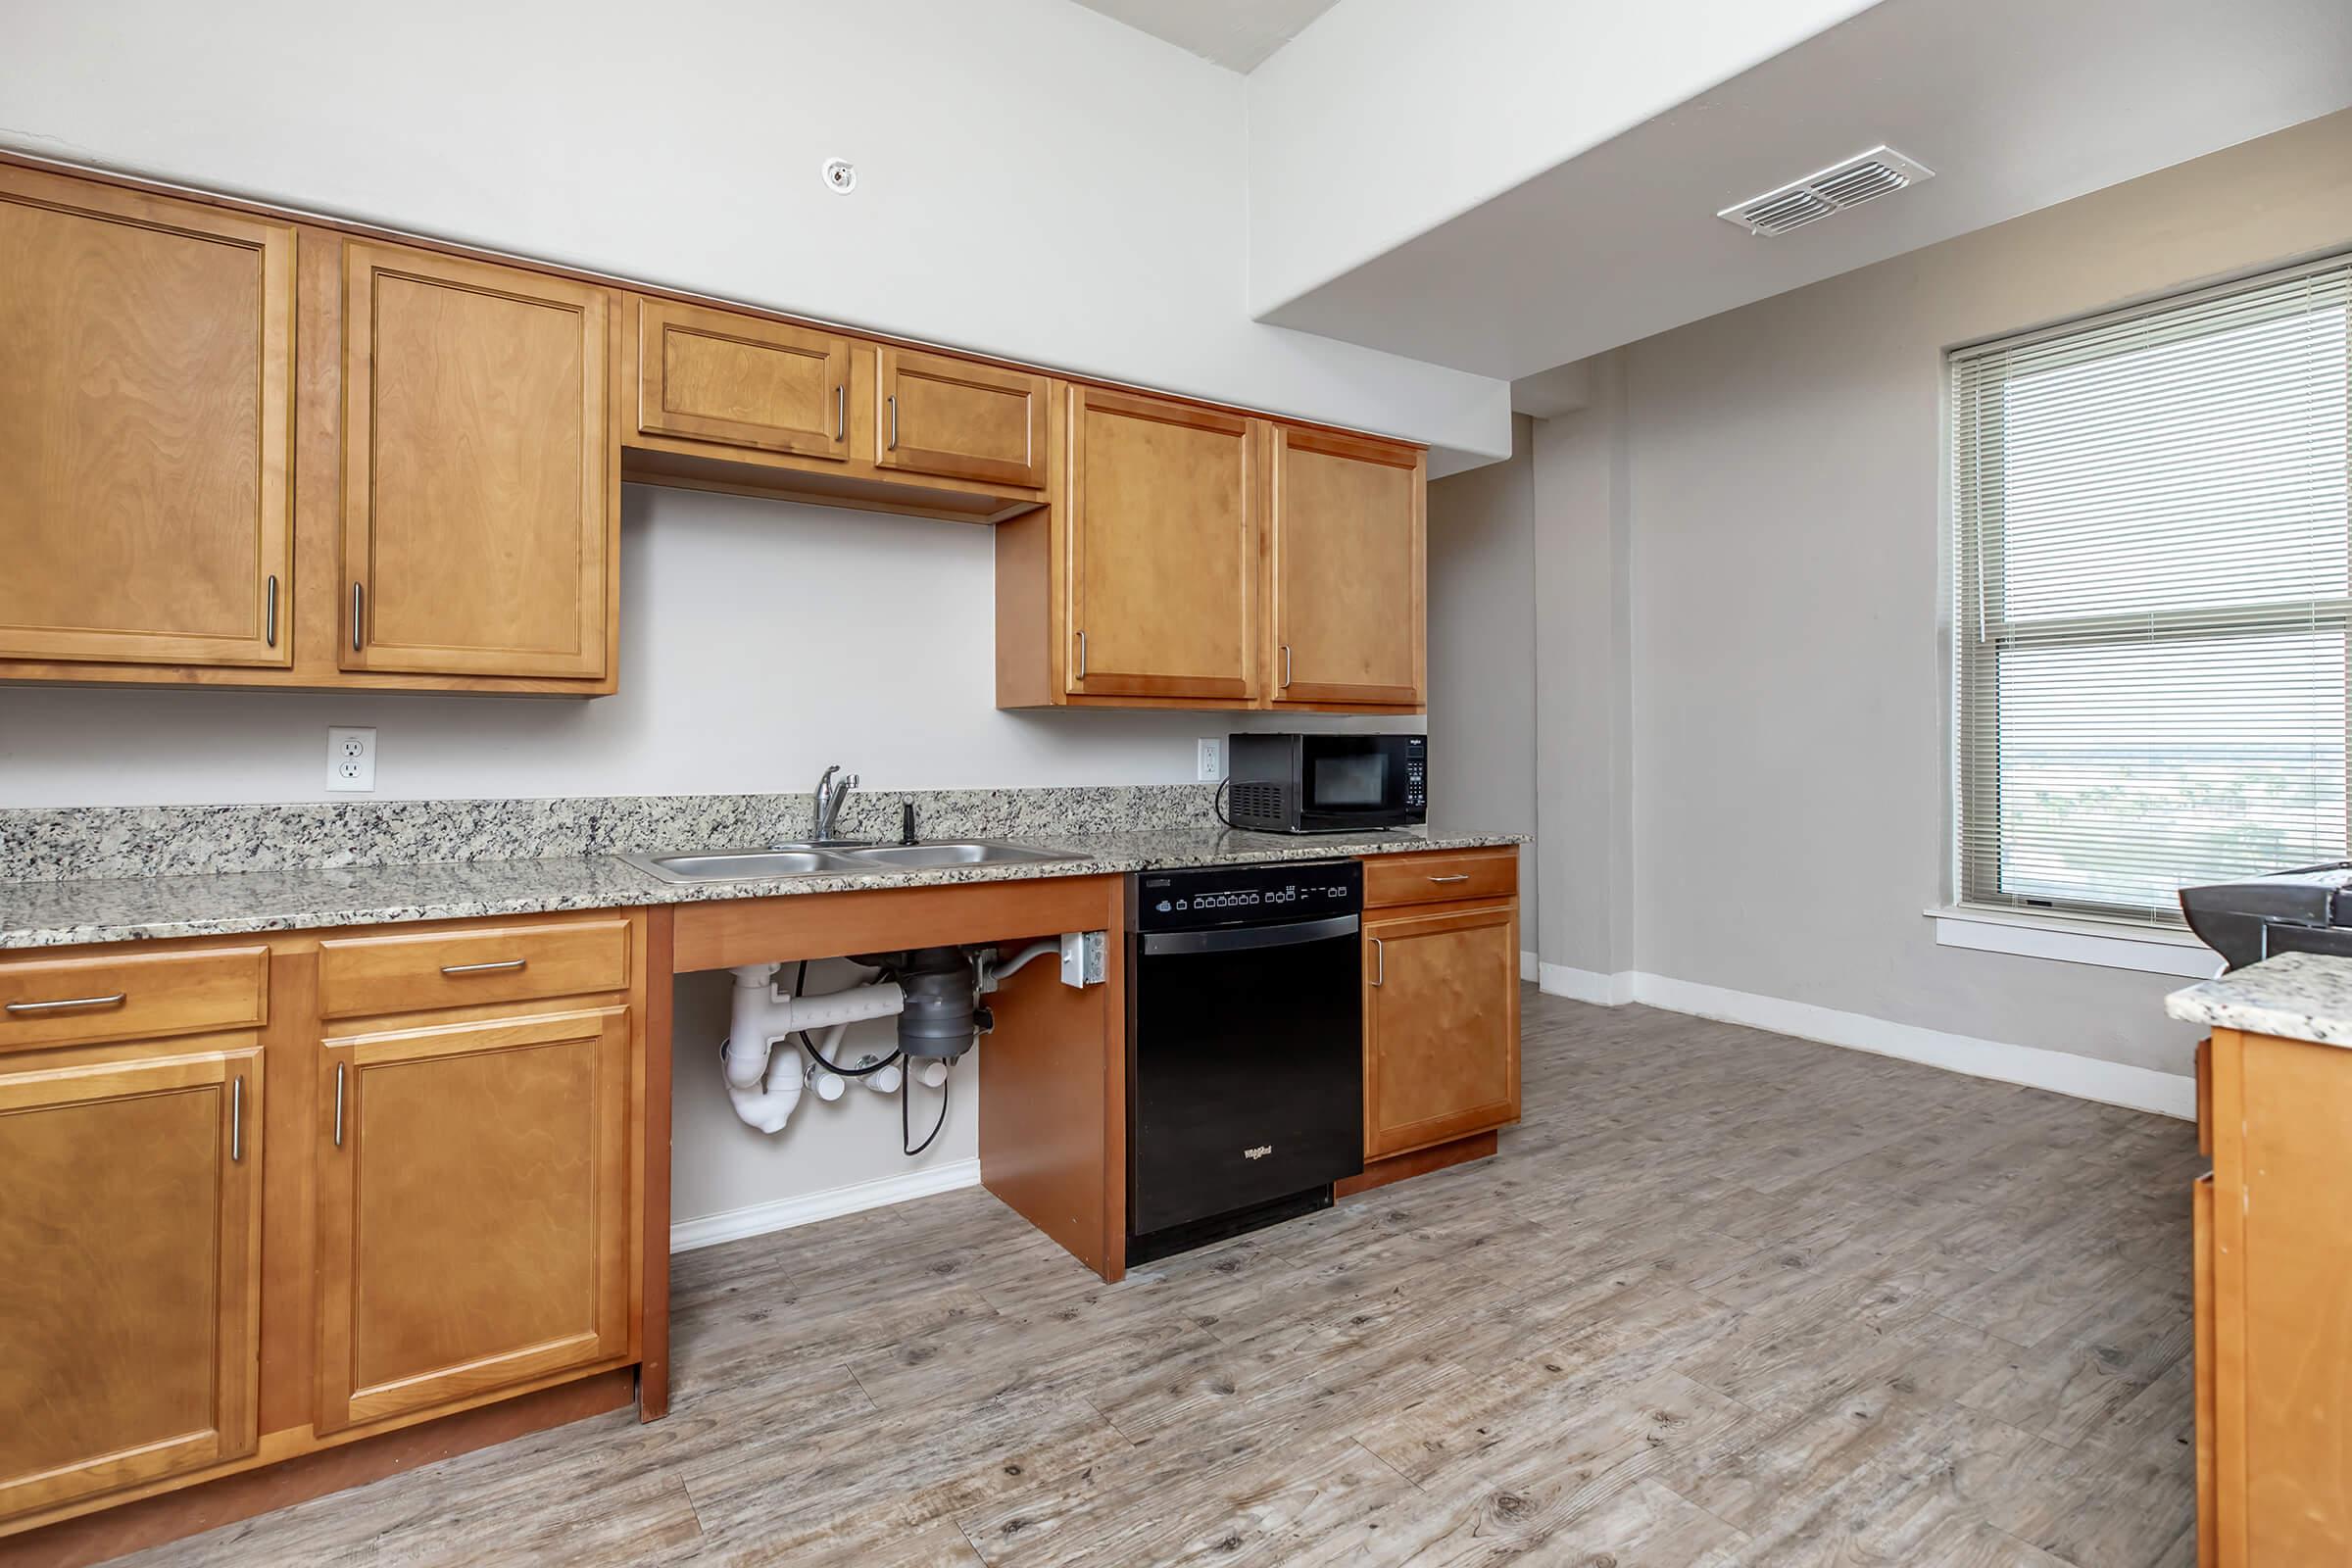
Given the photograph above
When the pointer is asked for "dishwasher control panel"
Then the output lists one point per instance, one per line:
(1246, 895)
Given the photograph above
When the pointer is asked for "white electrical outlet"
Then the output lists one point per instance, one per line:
(1210, 765)
(350, 759)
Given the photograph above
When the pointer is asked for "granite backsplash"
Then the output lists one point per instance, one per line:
(54, 844)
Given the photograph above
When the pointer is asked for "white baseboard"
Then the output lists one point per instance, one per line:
(1531, 968)
(806, 1209)
(2113, 1083)
(1586, 985)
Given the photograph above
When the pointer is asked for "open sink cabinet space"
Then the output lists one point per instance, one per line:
(252, 448)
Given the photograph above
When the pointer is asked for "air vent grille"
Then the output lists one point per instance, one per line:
(1874, 174)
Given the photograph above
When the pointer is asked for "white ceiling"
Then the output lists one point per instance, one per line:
(2015, 105)
(1237, 34)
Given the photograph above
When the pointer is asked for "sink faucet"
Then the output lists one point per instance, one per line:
(829, 797)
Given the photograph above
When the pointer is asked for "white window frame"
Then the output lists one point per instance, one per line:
(2124, 940)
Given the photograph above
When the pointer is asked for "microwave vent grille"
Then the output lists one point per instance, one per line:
(1257, 803)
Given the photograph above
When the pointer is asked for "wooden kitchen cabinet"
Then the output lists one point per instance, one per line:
(740, 380)
(1440, 1024)
(1139, 585)
(2273, 1294)
(131, 1233)
(473, 1224)
(480, 524)
(146, 428)
(959, 418)
(1345, 541)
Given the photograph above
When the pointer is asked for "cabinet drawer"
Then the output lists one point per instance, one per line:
(364, 975)
(71, 1001)
(1393, 879)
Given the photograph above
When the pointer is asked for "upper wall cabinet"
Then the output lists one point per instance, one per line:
(730, 399)
(146, 427)
(480, 505)
(960, 419)
(741, 381)
(1346, 535)
(1161, 528)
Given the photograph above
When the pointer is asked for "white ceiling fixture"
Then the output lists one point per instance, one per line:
(1237, 34)
(1866, 176)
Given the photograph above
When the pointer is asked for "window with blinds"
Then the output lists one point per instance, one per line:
(2152, 616)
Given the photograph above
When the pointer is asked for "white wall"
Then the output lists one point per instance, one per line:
(1385, 117)
(1482, 654)
(1035, 179)
(759, 641)
(1585, 794)
(1786, 476)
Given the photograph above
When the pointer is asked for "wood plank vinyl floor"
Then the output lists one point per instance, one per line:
(1724, 1299)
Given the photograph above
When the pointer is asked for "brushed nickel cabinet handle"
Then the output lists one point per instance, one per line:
(66, 1002)
(236, 1120)
(1286, 666)
(1380, 962)
(357, 608)
(1459, 876)
(498, 966)
(269, 614)
(841, 412)
(338, 1105)
(1081, 654)
(893, 423)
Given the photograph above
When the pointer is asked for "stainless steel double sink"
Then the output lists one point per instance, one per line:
(836, 859)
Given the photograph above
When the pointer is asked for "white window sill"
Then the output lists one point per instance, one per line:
(2068, 940)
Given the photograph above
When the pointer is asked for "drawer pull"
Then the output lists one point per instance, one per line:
(338, 1105)
(69, 1002)
(501, 967)
(236, 1120)
(1459, 876)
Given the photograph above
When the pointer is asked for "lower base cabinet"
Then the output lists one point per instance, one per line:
(131, 1187)
(2273, 1254)
(474, 1208)
(1440, 1024)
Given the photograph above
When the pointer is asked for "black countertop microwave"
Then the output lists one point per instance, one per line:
(1297, 783)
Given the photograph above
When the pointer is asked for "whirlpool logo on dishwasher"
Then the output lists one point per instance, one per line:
(1259, 1153)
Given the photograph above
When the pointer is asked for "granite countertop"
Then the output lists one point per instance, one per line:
(71, 912)
(2296, 995)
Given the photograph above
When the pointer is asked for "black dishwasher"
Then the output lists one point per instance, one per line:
(1245, 1048)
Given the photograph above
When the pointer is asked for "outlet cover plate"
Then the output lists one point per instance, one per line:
(350, 758)
(1210, 760)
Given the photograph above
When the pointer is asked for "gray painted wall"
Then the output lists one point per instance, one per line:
(1788, 682)
(1482, 652)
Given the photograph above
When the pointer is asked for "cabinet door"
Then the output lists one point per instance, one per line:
(1162, 539)
(479, 477)
(741, 381)
(129, 1310)
(1347, 531)
(1441, 1026)
(472, 1209)
(959, 419)
(146, 377)
(2209, 1524)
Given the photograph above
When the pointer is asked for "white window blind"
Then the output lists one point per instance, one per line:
(2152, 617)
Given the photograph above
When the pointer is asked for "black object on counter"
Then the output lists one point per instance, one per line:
(2308, 909)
